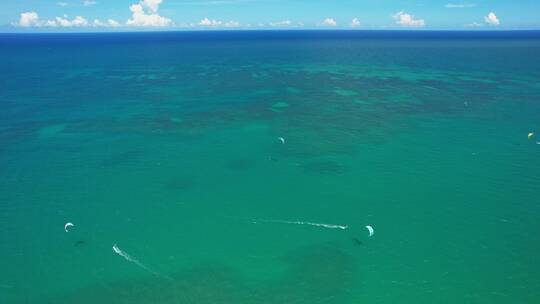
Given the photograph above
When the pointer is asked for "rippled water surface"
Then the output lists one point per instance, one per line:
(166, 146)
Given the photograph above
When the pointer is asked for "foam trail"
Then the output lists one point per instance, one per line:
(129, 258)
(329, 226)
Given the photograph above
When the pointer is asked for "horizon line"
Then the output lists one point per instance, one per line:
(202, 30)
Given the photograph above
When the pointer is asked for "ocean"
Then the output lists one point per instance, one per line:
(244, 166)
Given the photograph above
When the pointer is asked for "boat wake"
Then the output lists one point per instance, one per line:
(131, 259)
(322, 225)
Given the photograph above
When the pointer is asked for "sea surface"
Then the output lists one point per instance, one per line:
(242, 167)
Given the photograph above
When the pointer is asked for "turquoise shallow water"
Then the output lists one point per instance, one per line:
(166, 145)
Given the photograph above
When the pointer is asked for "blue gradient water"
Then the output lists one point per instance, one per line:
(166, 145)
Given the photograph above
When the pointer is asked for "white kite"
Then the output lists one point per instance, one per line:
(370, 229)
(281, 139)
(68, 225)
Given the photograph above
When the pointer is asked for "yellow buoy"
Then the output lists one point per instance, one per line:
(530, 136)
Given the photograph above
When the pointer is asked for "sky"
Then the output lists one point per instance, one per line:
(124, 15)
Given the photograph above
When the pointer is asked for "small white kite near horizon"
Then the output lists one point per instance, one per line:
(370, 229)
(281, 139)
(68, 225)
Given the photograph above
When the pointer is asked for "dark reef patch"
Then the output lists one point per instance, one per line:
(240, 164)
(179, 183)
(125, 158)
(323, 167)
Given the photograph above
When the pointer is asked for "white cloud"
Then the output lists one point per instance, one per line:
(28, 19)
(232, 24)
(329, 22)
(474, 24)
(218, 23)
(98, 23)
(65, 22)
(142, 18)
(84, 3)
(355, 22)
(405, 19)
(108, 23)
(79, 21)
(208, 22)
(152, 5)
(113, 23)
(281, 23)
(492, 19)
(460, 5)
(49, 23)
(31, 19)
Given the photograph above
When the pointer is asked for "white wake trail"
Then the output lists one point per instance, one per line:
(129, 258)
(323, 225)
